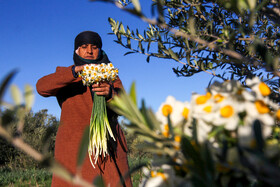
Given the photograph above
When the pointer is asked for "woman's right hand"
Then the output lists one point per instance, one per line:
(79, 68)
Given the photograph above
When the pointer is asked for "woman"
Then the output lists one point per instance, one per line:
(76, 102)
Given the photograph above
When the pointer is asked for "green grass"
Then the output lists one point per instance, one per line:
(43, 178)
(31, 177)
(137, 176)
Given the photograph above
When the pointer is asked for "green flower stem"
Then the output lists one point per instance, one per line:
(99, 129)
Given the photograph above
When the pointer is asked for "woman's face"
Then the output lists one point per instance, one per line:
(88, 51)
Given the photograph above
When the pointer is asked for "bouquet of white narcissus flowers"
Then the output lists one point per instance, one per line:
(230, 134)
(99, 124)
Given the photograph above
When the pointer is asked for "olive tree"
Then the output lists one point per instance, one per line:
(229, 39)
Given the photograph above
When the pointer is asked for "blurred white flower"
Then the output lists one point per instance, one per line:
(260, 88)
(226, 113)
(177, 111)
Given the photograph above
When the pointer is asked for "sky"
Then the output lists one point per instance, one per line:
(36, 36)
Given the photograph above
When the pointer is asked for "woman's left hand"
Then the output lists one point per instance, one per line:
(102, 88)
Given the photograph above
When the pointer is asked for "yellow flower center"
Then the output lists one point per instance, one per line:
(262, 108)
(278, 114)
(208, 95)
(185, 113)
(264, 89)
(227, 111)
(162, 176)
(218, 98)
(207, 109)
(165, 132)
(201, 99)
(153, 174)
(177, 138)
(166, 110)
(166, 127)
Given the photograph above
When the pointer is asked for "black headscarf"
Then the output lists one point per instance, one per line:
(89, 37)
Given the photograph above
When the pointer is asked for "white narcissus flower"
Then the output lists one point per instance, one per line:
(201, 107)
(226, 113)
(110, 66)
(95, 73)
(178, 111)
(259, 88)
(258, 110)
(163, 175)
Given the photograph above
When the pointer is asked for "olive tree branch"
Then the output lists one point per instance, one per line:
(211, 46)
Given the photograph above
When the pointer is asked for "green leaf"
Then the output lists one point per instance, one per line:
(189, 151)
(112, 22)
(98, 181)
(83, 149)
(258, 135)
(6, 82)
(160, 4)
(60, 171)
(130, 52)
(128, 43)
(173, 55)
(144, 112)
(128, 31)
(28, 97)
(122, 30)
(132, 93)
(209, 162)
(16, 95)
(140, 46)
(170, 126)
(192, 26)
(136, 5)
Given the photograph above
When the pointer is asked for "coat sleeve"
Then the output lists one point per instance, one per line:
(116, 87)
(49, 85)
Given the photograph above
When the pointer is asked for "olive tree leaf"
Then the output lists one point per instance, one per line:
(28, 96)
(136, 5)
(83, 147)
(6, 82)
(16, 95)
(132, 93)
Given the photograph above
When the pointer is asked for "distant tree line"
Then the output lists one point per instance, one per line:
(39, 131)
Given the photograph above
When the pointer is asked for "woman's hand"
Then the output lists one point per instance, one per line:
(103, 88)
(79, 68)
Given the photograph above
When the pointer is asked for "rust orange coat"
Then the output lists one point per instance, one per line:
(76, 103)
